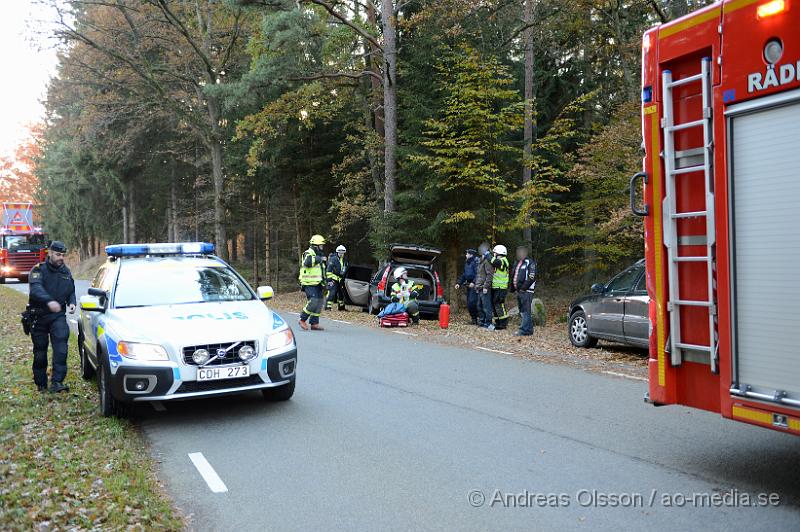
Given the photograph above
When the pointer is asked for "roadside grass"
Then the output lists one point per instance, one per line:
(62, 466)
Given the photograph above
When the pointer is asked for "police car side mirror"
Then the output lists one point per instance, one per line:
(597, 288)
(91, 304)
(265, 293)
(96, 292)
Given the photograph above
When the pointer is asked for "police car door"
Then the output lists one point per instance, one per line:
(104, 280)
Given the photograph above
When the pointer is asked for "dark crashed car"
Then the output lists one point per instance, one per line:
(372, 291)
(615, 311)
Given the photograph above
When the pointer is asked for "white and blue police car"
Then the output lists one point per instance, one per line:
(173, 321)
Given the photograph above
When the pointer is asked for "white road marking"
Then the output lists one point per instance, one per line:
(341, 321)
(295, 313)
(405, 333)
(625, 375)
(158, 406)
(494, 350)
(207, 472)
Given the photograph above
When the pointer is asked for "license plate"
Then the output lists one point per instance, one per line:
(225, 372)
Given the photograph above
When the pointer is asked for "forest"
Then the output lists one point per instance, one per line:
(257, 123)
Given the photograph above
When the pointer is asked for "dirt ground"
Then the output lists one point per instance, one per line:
(548, 343)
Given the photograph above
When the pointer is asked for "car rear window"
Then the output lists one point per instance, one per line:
(150, 282)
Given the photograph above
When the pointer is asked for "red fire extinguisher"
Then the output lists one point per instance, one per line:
(444, 315)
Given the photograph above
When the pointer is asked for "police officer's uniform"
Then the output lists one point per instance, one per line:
(50, 283)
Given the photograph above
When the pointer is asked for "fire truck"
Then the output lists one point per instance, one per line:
(721, 208)
(22, 245)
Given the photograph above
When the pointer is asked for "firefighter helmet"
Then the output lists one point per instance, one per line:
(341, 249)
(399, 272)
(317, 240)
(500, 249)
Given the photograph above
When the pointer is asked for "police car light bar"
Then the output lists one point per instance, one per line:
(185, 248)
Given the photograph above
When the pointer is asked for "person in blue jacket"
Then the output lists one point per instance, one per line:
(468, 279)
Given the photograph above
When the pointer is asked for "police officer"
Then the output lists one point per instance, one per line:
(468, 278)
(312, 282)
(52, 293)
(337, 268)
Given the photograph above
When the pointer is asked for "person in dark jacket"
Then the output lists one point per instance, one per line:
(51, 295)
(483, 286)
(336, 270)
(468, 279)
(523, 282)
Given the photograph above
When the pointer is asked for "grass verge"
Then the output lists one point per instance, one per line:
(62, 466)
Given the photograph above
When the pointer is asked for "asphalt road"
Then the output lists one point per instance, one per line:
(387, 431)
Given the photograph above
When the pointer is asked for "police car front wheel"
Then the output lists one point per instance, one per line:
(109, 406)
(279, 393)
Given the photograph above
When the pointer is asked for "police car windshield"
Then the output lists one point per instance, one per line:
(175, 281)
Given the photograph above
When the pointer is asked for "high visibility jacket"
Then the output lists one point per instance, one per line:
(311, 269)
(402, 290)
(337, 266)
(500, 278)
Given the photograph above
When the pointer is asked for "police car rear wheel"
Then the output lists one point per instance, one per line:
(87, 371)
(279, 393)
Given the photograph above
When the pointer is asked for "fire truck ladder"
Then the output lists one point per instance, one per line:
(672, 169)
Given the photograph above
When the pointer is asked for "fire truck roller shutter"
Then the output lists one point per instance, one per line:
(765, 179)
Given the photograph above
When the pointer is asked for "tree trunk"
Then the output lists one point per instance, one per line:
(125, 231)
(389, 103)
(131, 212)
(267, 240)
(451, 276)
(173, 208)
(529, 112)
(631, 84)
(373, 114)
(298, 237)
(219, 209)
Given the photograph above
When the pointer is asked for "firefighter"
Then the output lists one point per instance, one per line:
(312, 282)
(499, 286)
(403, 291)
(483, 286)
(51, 295)
(468, 278)
(337, 267)
(523, 281)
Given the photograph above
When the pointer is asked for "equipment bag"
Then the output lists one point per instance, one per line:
(394, 320)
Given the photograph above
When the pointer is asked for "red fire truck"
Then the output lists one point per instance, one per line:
(721, 127)
(22, 245)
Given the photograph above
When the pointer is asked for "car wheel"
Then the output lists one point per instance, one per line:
(87, 371)
(2, 280)
(279, 393)
(109, 406)
(23, 279)
(579, 331)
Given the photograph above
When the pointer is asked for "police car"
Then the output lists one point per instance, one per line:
(172, 321)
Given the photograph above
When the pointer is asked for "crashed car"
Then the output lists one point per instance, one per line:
(168, 321)
(372, 292)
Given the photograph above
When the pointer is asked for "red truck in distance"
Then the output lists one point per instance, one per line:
(22, 245)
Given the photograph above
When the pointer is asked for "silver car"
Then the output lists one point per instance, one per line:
(615, 311)
(172, 321)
